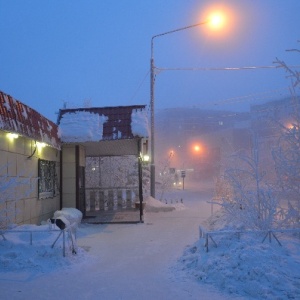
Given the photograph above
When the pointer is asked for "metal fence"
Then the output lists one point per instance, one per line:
(263, 234)
(70, 231)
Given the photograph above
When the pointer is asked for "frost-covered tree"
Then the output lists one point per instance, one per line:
(287, 154)
(114, 179)
(287, 162)
(292, 74)
(247, 200)
(146, 179)
(166, 178)
(118, 171)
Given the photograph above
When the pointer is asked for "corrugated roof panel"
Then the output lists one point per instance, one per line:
(20, 118)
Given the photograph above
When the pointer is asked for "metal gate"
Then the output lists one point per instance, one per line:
(112, 188)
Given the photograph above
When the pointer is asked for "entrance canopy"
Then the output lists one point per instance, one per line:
(104, 131)
(107, 143)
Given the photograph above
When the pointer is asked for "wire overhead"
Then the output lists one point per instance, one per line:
(222, 68)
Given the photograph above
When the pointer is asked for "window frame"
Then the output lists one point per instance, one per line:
(46, 179)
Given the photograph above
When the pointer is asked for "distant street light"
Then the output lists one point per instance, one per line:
(216, 21)
(197, 148)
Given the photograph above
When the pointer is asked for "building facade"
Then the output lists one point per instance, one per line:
(29, 164)
(43, 165)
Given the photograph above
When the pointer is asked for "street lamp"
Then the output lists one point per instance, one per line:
(197, 148)
(215, 21)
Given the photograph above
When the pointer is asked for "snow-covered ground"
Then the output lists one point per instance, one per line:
(160, 259)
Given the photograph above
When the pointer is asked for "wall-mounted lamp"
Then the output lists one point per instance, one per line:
(12, 135)
(146, 158)
(40, 145)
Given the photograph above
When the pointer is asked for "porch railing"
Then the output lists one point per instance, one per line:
(97, 199)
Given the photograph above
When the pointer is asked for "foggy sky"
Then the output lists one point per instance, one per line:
(98, 52)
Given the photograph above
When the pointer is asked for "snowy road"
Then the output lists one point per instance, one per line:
(134, 261)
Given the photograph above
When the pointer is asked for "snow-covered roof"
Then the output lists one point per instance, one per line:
(102, 123)
(19, 118)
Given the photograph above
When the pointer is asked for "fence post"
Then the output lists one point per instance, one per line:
(276, 238)
(265, 237)
(64, 244)
(123, 198)
(200, 232)
(105, 199)
(115, 206)
(1, 233)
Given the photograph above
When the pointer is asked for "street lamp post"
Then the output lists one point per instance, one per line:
(152, 84)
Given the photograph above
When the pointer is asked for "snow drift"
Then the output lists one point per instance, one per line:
(153, 205)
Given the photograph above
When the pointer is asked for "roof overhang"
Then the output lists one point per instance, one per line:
(111, 147)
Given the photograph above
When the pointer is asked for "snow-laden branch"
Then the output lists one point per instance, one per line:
(294, 75)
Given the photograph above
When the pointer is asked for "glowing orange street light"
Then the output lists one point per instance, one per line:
(197, 148)
(215, 20)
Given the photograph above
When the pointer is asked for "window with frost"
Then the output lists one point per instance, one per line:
(47, 178)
